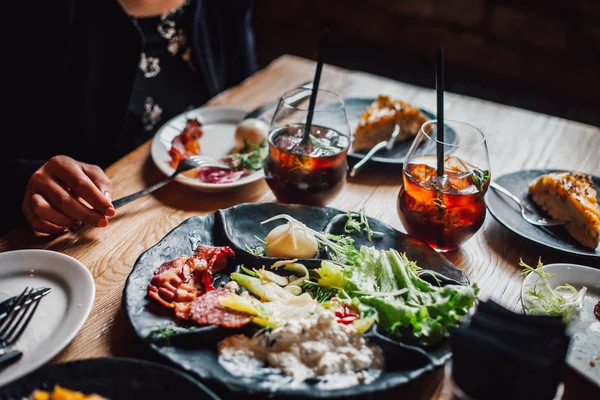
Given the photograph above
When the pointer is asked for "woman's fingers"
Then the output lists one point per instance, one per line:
(37, 224)
(45, 212)
(71, 174)
(99, 178)
(60, 195)
(63, 202)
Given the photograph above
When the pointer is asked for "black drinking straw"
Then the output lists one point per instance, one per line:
(313, 95)
(439, 85)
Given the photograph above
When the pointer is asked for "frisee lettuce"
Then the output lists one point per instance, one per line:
(541, 299)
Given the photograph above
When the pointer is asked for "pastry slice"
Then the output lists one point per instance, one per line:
(570, 197)
(378, 121)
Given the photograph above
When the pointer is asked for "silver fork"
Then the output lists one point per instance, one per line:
(528, 215)
(388, 144)
(14, 324)
(187, 164)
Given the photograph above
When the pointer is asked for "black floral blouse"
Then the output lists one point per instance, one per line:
(166, 84)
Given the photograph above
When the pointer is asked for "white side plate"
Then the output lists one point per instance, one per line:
(60, 314)
(218, 126)
(585, 330)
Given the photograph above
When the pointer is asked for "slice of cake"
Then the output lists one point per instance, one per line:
(378, 121)
(570, 197)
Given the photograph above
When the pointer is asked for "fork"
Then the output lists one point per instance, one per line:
(14, 324)
(187, 164)
(528, 215)
(388, 144)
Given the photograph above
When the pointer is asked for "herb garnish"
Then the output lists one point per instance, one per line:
(353, 225)
(258, 250)
(480, 177)
(250, 157)
(320, 293)
(165, 332)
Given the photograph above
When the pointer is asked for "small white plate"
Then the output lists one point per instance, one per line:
(218, 127)
(61, 313)
(585, 330)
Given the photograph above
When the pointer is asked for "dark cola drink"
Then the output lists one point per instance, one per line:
(311, 172)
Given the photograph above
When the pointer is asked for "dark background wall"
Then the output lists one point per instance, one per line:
(542, 55)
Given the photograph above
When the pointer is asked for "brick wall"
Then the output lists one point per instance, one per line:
(544, 54)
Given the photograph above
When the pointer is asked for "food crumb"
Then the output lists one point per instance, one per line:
(593, 364)
(598, 356)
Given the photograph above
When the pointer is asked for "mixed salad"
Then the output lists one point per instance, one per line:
(310, 321)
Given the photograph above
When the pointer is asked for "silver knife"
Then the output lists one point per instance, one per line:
(9, 357)
(5, 306)
(257, 112)
(387, 144)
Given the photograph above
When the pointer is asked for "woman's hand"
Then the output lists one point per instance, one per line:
(55, 196)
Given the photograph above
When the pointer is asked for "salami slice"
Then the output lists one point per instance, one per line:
(205, 310)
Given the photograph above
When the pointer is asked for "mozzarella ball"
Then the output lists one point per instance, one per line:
(280, 243)
(250, 130)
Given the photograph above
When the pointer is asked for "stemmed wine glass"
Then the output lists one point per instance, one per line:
(446, 210)
(308, 166)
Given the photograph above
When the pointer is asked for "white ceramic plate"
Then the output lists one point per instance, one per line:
(218, 126)
(60, 314)
(585, 330)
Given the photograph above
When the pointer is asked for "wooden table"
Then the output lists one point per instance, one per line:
(517, 139)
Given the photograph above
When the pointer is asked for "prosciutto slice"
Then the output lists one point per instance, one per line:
(186, 143)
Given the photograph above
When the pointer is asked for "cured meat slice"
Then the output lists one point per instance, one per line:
(177, 283)
(186, 143)
(216, 257)
(173, 282)
(206, 310)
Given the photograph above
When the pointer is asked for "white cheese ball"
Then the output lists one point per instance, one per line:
(250, 130)
(280, 243)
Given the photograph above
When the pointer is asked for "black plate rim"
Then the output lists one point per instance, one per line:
(336, 393)
(516, 232)
(137, 362)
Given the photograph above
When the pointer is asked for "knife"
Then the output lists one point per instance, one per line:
(5, 306)
(9, 357)
(297, 98)
(387, 144)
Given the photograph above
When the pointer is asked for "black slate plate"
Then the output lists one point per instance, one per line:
(112, 378)
(355, 107)
(507, 213)
(196, 351)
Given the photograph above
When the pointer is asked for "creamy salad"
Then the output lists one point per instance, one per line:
(308, 348)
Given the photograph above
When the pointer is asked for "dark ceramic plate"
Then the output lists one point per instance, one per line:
(355, 107)
(508, 214)
(112, 378)
(196, 350)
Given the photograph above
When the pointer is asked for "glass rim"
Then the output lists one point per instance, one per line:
(271, 143)
(289, 93)
(456, 145)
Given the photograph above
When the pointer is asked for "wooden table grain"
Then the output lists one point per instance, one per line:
(517, 139)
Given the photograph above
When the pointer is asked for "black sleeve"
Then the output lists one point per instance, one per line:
(240, 39)
(37, 50)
